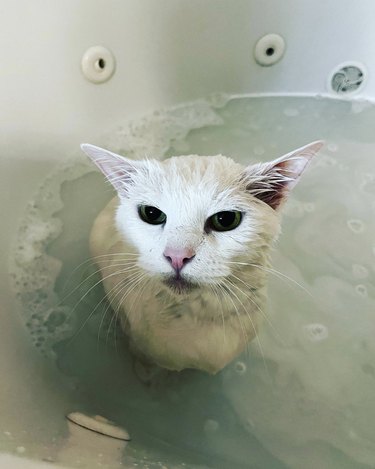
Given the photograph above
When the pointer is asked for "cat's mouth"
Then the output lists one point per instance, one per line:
(179, 285)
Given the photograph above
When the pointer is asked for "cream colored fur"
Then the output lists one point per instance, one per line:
(207, 327)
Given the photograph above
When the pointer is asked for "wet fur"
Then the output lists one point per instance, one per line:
(207, 326)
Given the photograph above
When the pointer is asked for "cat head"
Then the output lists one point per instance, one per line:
(194, 219)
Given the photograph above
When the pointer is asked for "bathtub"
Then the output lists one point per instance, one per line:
(54, 96)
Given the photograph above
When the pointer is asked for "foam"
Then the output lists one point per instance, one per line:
(153, 135)
(33, 271)
(316, 332)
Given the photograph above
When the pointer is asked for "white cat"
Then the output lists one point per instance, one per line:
(184, 250)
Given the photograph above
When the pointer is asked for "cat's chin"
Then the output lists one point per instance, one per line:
(179, 285)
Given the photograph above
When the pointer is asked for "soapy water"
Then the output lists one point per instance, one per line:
(305, 399)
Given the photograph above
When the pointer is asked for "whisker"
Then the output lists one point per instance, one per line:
(96, 284)
(138, 293)
(224, 287)
(132, 284)
(254, 328)
(92, 275)
(129, 284)
(275, 272)
(92, 258)
(94, 310)
(258, 307)
(212, 287)
(119, 286)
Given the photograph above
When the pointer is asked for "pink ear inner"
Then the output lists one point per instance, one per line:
(117, 169)
(271, 182)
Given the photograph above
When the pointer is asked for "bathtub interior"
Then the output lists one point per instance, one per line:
(301, 407)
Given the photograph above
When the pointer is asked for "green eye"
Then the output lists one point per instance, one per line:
(224, 221)
(152, 215)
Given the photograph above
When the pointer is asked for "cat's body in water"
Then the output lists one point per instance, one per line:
(184, 251)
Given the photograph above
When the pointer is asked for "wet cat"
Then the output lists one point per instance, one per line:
(184, 248)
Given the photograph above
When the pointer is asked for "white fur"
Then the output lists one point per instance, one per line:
(211, 324)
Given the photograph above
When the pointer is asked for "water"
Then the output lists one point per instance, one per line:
(305, 399)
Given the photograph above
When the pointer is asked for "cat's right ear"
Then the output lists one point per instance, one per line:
(117, 169)
(271, 182)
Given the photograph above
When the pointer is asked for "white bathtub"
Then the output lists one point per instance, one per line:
(166, 52)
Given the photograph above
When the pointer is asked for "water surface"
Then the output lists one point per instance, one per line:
(305, 398)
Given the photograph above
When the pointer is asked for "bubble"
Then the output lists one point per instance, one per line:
(332, 147)
(316, 332)
(361, 290)
(211, 426)
(368, 177)
(356, 225)
(358, 106)
(154, 134)
(352, 435)
(291, 112)
(259, 150)
(55, 319)
(359, 271)
(295, 209)
(309, 207)
(218, 100)
(368, 369)
(249, 425)
(240, 368)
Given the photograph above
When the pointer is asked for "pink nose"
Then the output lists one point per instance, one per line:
(178, 257)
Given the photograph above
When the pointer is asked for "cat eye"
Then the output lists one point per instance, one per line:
(151, 215)
(224, 221)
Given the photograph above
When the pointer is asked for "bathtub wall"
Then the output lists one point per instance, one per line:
(166, 51)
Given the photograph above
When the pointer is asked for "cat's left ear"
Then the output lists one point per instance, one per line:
(117, 169)
(271, 182)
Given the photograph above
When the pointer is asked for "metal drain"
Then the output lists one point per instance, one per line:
(347, 79)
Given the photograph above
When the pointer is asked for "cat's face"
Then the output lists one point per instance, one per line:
(192, 218)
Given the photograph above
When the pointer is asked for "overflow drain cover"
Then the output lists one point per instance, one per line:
(347, 79)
